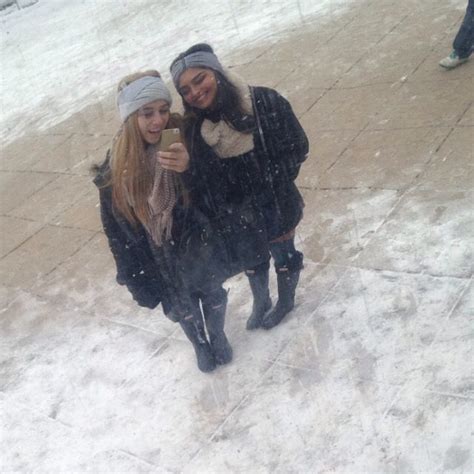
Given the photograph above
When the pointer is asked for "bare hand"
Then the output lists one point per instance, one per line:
(175, 159)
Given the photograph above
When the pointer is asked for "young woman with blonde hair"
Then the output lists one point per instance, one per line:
(145, 210)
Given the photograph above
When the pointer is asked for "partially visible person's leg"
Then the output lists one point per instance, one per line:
(463, 42)
(288, 265)
(214, 306)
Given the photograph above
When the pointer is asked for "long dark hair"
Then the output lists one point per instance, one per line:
(228, 106)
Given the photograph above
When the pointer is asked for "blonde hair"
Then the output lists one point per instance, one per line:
(130, 177)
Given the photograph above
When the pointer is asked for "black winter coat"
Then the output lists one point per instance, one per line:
(267, 173)
(152, 274)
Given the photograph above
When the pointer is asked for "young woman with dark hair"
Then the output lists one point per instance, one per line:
(145, 211)
(245, 141)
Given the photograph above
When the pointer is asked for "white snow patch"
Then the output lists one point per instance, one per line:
(59, 56)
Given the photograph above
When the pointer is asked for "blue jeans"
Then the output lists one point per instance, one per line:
(464, 42)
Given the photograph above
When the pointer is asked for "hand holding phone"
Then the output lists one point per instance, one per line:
(173, 155)
(168, 137)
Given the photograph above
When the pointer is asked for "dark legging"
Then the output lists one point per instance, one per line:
(283, 252)
(285, 256)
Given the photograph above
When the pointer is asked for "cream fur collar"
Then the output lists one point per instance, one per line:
(222, 138)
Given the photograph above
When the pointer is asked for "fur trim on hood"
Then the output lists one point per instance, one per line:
(221, 137)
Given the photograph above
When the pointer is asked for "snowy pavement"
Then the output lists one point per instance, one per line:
(372, 371)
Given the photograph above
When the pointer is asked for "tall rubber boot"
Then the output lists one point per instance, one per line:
(287, 279)
(214, 308)
(194, 329)
(258, 279)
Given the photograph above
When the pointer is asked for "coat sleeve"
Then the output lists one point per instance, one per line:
(285, 138)
(134, 265)
(194, 178)
(190, 177)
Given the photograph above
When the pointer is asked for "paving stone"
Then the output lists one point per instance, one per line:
(391, 60)
(22, 154)
(40, 254)
(430, 69)
(70, 154)
(338, 223)
(36, 439)
(87, 281)
(334, 412)
(428, 232)
(315, 282)
(18, 187)
(15, 232)
(259, 73)
(301, 100)
(427, 25)
(342, 337)
(115, 460)
(300, 43)
(452, 168)
(322, 69)
(389, 159)
(385, 10)
(54, 198)
(325, 149)
(8, 295)
(245, 55)
(424, 10)
(255, 352)
(427, 104)
(468, 117)
(45, 371)
(92, 119)
(128, 417)
(363, 36)
(451, 351)
(338, 392)
(349, 108)
(38, 325)
(328, 447)
(418, 431)
(83, 214)
(91, 159)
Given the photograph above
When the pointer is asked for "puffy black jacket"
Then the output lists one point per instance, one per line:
(267, 172)
(152, 274)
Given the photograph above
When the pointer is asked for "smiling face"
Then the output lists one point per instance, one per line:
(198, 87)
(152, 120)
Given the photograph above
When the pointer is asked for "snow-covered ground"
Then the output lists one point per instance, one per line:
(372, 371)
(61, 55)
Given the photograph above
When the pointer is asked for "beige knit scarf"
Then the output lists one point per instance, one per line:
(161, 200)
(221, 137)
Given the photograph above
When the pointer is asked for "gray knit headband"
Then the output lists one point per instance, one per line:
(197, 59)
(141, 92)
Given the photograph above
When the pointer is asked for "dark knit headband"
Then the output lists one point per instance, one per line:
(197, 59)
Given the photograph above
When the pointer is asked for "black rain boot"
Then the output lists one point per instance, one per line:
(214, 308)
(287, 279)
(194, 330)
(258, 279)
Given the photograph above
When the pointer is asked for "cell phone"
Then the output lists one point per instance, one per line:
(168, 137)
